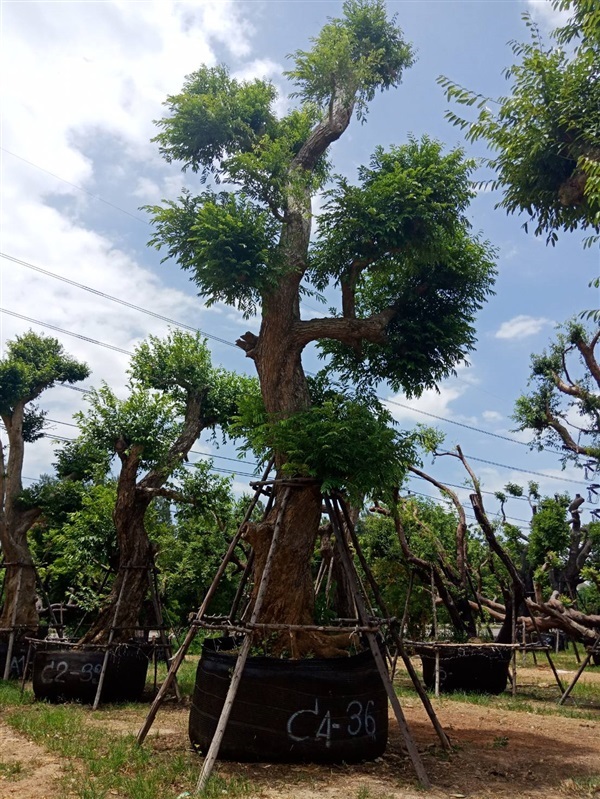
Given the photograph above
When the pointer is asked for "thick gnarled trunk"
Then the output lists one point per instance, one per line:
(19, 610)
(122, 609)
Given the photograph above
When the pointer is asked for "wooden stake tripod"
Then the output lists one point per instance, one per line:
(13, 629)
(365, 623)
(164, 643)
(593, 650)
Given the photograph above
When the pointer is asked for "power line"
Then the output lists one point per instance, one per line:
(467, 426)
(79, 188)
(66, 332)
(182, 325)
(525, 471)
(110, 297)
(471, 457)
(465, 507)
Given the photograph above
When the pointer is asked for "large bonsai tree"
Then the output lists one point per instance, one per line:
(32, 365)
(396, 244)
(174, 394)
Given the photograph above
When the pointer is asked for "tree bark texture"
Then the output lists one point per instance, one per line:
(19, 609)
(136, 553)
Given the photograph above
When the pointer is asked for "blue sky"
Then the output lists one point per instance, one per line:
(84, 80)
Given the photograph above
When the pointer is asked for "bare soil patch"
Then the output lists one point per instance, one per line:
(499, 753)
(26, 770)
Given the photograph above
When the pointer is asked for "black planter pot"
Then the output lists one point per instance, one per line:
(482, 670)
(71, 675)
(549, 639)
(18, 659)
(314, 710)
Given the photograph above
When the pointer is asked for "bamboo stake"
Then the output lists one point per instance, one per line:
(591, 652)
(348, 565)
(166, 646)
(411, 579)
(213, 750)
(191, 633)
(437, 673)
(11, 637)
(398, 639)
(26, 667)
(514, 641)
(240, 590)
(433, 607)
(110, 638)
(546, 649)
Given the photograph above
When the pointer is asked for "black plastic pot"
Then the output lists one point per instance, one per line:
(17, 659)
(549, 639)
(482, 670)
(313, 710)
(71, 675)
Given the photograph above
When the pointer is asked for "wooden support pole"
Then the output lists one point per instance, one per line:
(215, 744)
(348, 565)
(111, 635)
(433, 608)
(191, 633)
(165, 645)
(591, 652)
(398, 638)
(437, 673)
(26, 667)
(514, 641)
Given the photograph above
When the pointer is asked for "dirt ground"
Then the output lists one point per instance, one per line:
(498, 753)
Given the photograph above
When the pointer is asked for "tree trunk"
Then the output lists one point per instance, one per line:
(19, 608)
(135, 560)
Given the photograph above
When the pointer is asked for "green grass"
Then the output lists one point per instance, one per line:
(13, 770)
(540, 698)
(99, 764)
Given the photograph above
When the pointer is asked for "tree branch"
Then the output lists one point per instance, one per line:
(324, 134)
(348, 331)
(587, 353)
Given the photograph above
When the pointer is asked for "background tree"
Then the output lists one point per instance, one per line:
(174, 394)
(546, 132)
(563, 408)
(428, 545)
(396, 245)
(32, 364)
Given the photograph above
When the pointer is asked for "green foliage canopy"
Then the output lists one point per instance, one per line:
(32, 364)
(546, 132)
(398, 244)
(563, 407)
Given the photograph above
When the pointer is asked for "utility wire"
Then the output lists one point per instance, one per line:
(75, 186)
(65, 332)
(250, 463)
(126, 352)
(190, 465)
(110, 297)
(232, 344)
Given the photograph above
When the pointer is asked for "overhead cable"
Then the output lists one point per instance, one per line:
(110, 297)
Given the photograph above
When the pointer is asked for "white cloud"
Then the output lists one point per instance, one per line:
(544, 13)
(83, 84)
(492, 416)
(260, 68)
(521, 326)
(430, 401)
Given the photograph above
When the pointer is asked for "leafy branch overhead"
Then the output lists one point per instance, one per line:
(546, 132)
(410, 274)
(563, 408)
